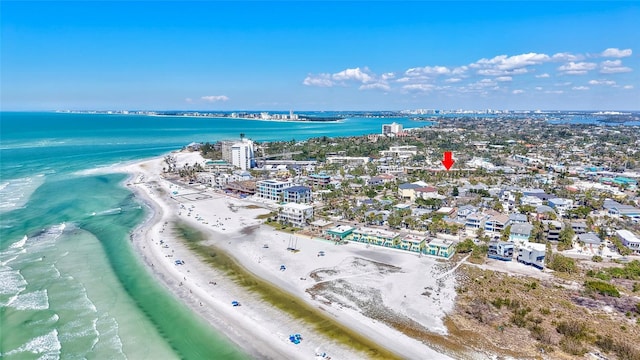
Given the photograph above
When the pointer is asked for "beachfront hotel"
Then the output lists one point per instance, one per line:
(242, 154)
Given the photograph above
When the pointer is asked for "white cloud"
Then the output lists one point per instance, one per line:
(602, 82)
(379, 86)
(499, 72)
(504, 78)
(459, 70)
(517, 91)
(419, 87)
(613, 67)
(453, 80)
(539, 88)
(353, 74)
(214, 98)
(339, 78)
(554, 92)
(388, 76)
(321, 80)
(616, 53)
(577, 68)
(628, 87)
(189, 100)
(428, 71)
(580, 88)
(545, 75)
(504, 62)
(565, 56)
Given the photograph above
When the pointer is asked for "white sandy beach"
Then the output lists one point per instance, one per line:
(418, 288)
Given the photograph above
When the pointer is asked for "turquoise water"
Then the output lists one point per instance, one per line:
(70, 284)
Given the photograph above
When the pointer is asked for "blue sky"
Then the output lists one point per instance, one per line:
(320, 55)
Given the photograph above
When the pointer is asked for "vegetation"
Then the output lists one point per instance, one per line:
(601, 287)
(562, 263)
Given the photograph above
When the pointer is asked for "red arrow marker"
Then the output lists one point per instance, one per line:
(447, 161)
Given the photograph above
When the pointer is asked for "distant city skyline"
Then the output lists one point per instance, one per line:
(320, 56)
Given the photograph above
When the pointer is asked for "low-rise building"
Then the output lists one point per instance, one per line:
(413, 242)
(407, 190)
(496, 223)
(347, 160)
(320, 180)
(561, 205)
(618, 210)
(475, 221)
(440, 247)
(532, 254)
(629, 239)
(296, 215)
(520, 233)
(500, 250)
(375, 237)
(339, 232)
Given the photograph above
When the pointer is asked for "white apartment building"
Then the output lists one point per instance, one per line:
(295, 214)
(242, 154)
(403, 151)
(393, 128)
(272, 189)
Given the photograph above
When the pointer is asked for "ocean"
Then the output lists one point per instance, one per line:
(70, 284)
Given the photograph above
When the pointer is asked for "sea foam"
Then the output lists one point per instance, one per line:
(47, 345)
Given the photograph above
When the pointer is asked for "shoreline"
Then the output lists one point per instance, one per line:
(139, 238)
(258, 328)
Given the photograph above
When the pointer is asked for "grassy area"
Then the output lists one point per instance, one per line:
(280, 227)
(278, 298)
(265, 216)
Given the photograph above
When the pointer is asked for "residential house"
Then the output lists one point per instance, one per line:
(532, 254)
(297, 194)
(320, 180)
(475, 221)
(407, 190)
(552, 229)
(427, 192)
(496, 223)
(500, 250)
(579, 227)
(520, 232)
(630, 240)
(561, 205)
(590, 239)
(466, 210)
(296, 215)
(518, 218)
(618, 210)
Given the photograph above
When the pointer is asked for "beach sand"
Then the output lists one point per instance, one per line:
(349, 283)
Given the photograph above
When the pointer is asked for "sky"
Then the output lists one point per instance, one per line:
(304, 55)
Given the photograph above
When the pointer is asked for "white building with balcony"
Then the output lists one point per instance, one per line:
(296, 215)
